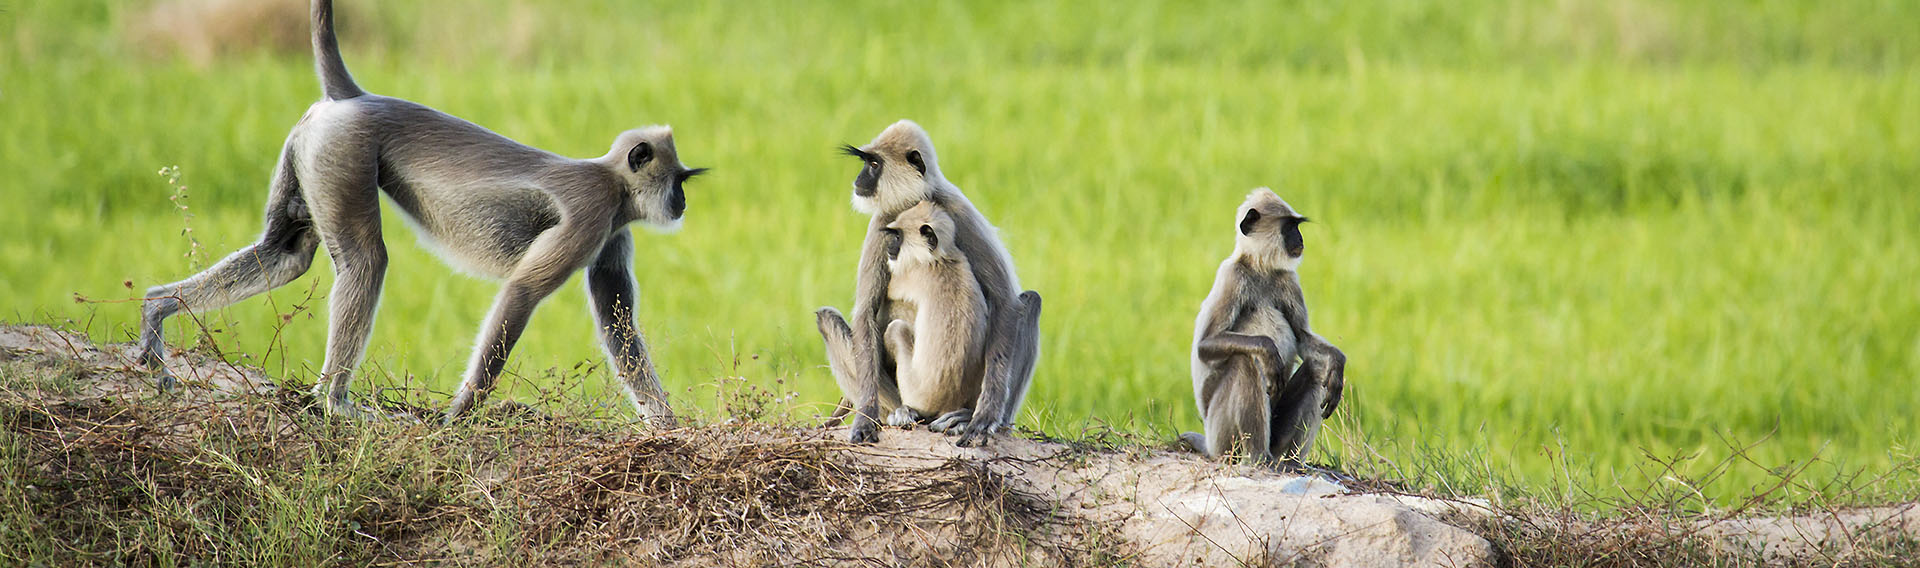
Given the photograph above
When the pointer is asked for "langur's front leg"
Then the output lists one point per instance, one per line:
(543, 268)
(1011, 359)
(497, 337)
(1004, 338)
(899, 341)
(613, 295)
(856, 352)
(1329, 364)
(1330, 372)
(1294, 416)
(1259, 349)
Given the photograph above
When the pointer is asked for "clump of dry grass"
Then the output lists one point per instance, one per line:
(764, 497)
(262, 479)
(1809, 512)
(1531, 536)
(1670, 525)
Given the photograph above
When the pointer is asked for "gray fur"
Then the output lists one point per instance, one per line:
(938, 306)
(335, 81)
(485, 203)
(862, 363)
(1251, 329)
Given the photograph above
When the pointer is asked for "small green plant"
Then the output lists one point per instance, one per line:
(176, 179)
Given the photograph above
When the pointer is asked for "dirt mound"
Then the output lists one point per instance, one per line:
(236, 470)
(104, 453)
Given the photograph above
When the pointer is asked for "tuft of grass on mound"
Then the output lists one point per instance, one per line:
(260, 479)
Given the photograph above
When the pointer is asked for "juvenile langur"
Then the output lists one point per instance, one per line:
(486, 204)
(1250, 330)
(939, 331)
(899, 170)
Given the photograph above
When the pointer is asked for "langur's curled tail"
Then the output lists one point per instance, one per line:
(335, 81)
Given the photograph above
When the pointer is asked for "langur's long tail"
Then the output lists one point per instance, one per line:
(335, 81)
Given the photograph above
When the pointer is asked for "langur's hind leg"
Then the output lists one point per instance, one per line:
(346, 212)
(283, 253)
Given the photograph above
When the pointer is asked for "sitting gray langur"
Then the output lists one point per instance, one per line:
(899, 171)
(486, 204)
(1250, 330)
(938, 337)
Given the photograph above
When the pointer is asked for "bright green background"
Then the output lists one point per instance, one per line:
(1557, 239)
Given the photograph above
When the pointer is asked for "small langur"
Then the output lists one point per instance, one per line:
(939, 333)
(899, 170)
(486, 204)
(1251, 328)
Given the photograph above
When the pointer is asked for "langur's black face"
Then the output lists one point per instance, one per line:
(894, 240)
(1290, 236)
(867, 184)
(896, 170)
(658, 180)
(677, 203)
(1285, 226)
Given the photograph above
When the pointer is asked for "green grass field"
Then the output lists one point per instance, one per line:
(1562, 243)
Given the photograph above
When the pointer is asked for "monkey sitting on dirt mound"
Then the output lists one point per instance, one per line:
(1251, 328)
(899, 171)
(938, 337)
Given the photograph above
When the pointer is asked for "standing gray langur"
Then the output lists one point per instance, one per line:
(938, 307)
(1253, 325)
(899, 170)
(486, 204)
